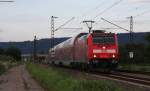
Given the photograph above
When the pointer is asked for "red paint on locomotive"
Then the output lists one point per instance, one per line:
(102, 51)
(86, 48)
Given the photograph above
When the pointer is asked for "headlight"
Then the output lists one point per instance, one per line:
(94, 56)
(104, 47)
(113, 56)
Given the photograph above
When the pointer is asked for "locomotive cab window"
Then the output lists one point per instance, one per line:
(103, 39)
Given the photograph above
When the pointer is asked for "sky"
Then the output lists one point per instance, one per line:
(22, 19)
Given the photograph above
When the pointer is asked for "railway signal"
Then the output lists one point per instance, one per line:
(131, 55)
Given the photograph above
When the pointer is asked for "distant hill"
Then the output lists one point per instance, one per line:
(43, 45)
(139, 37)
(26, 47)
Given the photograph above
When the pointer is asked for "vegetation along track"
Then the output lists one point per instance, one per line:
(143, 80)
(128, 77)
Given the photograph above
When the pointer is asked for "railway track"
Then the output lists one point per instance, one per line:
(127, 77)
(135, 72)
(133, 77)
(120, 76)
(139, 80)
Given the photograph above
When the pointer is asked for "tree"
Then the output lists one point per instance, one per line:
(13, 52)
(148, 38)
(1, 51)
(148, 47)
(139, 51)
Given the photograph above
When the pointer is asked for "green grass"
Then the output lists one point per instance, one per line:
(56, 80)
(135, 67)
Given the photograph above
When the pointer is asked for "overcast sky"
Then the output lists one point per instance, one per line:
(22, 19)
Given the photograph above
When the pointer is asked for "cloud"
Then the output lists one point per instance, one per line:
(140, 1)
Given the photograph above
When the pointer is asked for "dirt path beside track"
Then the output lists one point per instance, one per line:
(18, 79)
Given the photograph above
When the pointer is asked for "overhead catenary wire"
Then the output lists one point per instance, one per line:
(64, 23)
(84, 14)
(116, 3)
(115, 24)
(94, 9)
(113, 5)
(6, 1)
(73, 28)
(97, 7)
(142, 13)
(109, 28)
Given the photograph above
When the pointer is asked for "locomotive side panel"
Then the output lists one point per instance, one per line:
(81, 49)
(64, 54)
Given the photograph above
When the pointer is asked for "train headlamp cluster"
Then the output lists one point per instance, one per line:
(104, 47)
(95, 56)
(113, 56)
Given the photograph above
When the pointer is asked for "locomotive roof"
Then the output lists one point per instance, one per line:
(108, 34)
(98, 31)
(70, 40)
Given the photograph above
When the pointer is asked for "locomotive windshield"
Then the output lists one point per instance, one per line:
(104, 40)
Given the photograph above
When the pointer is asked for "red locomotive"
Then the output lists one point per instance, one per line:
(97, 49)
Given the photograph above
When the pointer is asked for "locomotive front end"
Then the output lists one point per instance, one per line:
(103, 48)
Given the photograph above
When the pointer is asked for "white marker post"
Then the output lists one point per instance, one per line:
(131, 55)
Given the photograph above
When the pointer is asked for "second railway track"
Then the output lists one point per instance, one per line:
(128, 77)
(132, 78)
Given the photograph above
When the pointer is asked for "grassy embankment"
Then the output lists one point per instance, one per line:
(6, 63)
(56, 80)
(135, 67)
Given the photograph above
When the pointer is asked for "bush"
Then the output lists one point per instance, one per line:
(6, 62)
(1, 51)
(2, 68)
(13, 52)
(4, 58)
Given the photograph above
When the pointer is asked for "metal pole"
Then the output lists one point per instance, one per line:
(52, 36)
(131, 29)
(34, 49)
(131, 53)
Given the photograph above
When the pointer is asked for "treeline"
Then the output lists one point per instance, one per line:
(13, 52)
(141, 53)
(8, 58)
